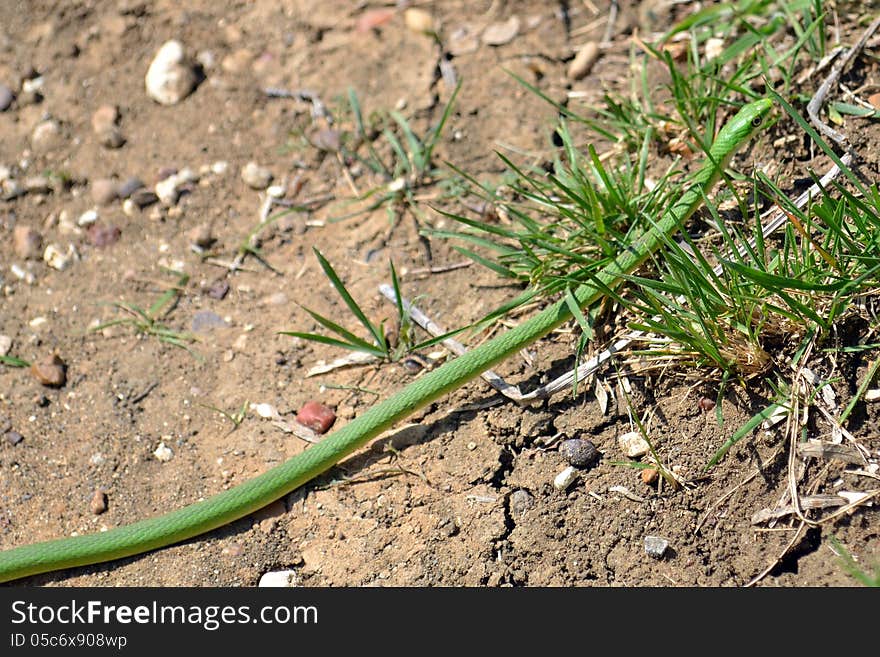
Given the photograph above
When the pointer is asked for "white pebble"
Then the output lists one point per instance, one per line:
(279, 578)
(265, 410)
(163, 453)
(219, 167)
(34, 85)
(633, 445)
(5, 344)
(565, 478)
(255, 176)
(167, 190)
(714, 48)
(22, 274)
(276, 191)
(58, 259)
(170, 78)
(87, 217)
(872, 395)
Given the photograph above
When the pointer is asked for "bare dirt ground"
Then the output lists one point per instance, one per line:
(467, 498)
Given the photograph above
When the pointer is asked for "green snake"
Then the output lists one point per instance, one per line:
(256, 493)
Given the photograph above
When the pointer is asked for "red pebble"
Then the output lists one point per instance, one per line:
(316, 416)
(373, 19)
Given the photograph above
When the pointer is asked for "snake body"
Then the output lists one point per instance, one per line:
(256, 493)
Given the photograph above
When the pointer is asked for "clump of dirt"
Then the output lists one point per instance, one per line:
(156, 411)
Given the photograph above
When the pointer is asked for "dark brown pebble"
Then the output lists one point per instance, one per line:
(218, 289)
(102, 235)
(706, 404)
(578, 452)
(13, 437)
(50, 371)
(143, 197)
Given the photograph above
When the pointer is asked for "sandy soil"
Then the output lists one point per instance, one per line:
(466, 497)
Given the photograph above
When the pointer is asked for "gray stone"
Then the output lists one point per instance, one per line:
(6, 97)
(656, 546)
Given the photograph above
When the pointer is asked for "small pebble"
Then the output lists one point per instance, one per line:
(714, 48)
(101, 235)
(255, 176)
(419, 21)
(170, 77)
(202, 236)
(279, 579)
(650, 476)
(583, 62)
(98, 504)
(13, 437)
(143, 198)
(238, 61)
(206, 320)
(316, 416)
(22, 274)
(706, 404)
(129, 187)
(27, 242)
(6, 97)
(265, 410)
(498, 34)
(274, 299)
(276, 191)
(104, 191)
(218, 289)
(655, 546)
(373, 19)
(50, 371)
(565, 478)
(168, 190)
(5, 344)
(46, 135)
(105, 118)
(37, 185)
(633, 445)
(87, 217)
(578, 452)
(520, 501)
(327, 139)
(11, 189)
(111, 138)
(163, 453)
